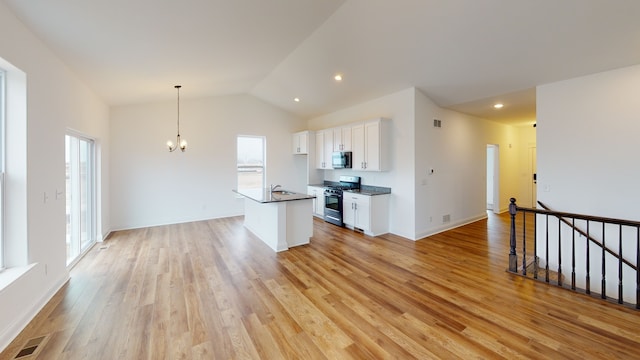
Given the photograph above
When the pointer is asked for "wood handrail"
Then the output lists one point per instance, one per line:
(596, 219)
(580, 216)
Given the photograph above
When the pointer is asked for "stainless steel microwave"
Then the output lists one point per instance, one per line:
(341, 160)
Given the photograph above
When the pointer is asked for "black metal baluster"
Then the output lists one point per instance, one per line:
(620, 264)
(604, 268)
(524, 243)
(536, 259)
(559, 252)
(546, 266)
(586, 241)
(573, 254)
(513, 258)
(637, 264)
(600, 241)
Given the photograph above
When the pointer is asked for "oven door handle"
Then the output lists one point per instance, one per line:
(334, 218)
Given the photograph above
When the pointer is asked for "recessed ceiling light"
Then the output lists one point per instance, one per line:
(498, 106)
(296, 99)
(338, 77)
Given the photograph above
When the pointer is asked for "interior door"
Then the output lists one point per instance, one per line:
(533, 176)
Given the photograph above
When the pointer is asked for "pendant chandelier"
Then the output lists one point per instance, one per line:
(180, 143)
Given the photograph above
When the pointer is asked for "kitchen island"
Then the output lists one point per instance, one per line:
(280, 218)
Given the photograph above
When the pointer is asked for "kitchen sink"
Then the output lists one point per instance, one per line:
(282, 192)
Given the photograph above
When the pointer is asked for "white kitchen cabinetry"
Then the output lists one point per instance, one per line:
(342, 138)
(370, 214)
(370, 145)
(318, 202)
(324, 149)
(301, 142)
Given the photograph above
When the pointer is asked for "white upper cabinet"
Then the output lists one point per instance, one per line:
(370, 145)
(324, 149)
(301, 142)
(342, 138)
(368, 142)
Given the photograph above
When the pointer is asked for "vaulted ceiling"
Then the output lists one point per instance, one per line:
(463, 54)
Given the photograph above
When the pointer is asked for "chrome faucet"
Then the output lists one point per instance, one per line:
(274, 187)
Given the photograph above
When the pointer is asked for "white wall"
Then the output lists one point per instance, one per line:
(150, 186)
(588, 144)
(587, 159)
(56, 99)
(400, 109)
(456, 152)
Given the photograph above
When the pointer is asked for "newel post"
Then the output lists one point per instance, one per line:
(513, 259)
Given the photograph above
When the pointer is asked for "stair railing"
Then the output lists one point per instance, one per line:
(628, 236)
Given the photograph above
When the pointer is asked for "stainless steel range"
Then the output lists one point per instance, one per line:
(333, 198)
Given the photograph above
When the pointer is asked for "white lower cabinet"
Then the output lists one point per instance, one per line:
(370, 214)
(318, 202)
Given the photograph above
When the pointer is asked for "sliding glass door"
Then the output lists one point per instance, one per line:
(80, 190)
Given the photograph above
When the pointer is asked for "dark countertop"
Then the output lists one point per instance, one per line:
(371, 190)
(267, 196)
(364, 189)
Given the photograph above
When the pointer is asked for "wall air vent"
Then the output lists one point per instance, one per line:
(437, 123)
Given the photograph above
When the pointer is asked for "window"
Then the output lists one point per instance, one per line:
(251, 150)
(2, 113)
(13, 167)
(80, 189)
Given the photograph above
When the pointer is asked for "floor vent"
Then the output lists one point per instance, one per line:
(103, 247)
(30, 348)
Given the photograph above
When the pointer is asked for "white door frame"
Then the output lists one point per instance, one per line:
(495, 183)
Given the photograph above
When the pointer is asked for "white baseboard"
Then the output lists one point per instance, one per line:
(13, 330)
(133, 227)
(449, 226)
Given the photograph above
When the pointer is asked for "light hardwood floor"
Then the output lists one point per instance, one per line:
(210, 290)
